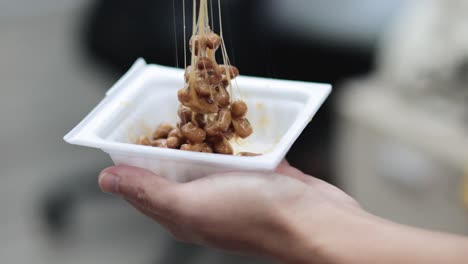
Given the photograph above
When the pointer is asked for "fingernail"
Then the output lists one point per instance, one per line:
(109, 183)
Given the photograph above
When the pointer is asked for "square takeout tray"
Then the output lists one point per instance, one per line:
(146, 96)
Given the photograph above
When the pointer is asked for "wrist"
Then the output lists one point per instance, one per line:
(325, 237)
(349, 236)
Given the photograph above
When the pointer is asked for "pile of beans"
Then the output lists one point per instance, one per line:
(208, 118)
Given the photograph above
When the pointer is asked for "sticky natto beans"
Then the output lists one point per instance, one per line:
(199, 120)
(208, 119)
(222, 97)
(160, 143)
(206, 64)
(201, 147)
(144, 140)
(205, 82)
(223, 147)
(174, 142)
(238, 109)
(214, 139)
(185, 114)
(176, 133)
(184, 97)
(175, 139)
(209, 76)
(199, 105)
(242, 127)
(229, 134)
(220, 124)
(233, 71)
(162, 131)
(203, 89)
(211, 41)
(206, 71)
(193, 133)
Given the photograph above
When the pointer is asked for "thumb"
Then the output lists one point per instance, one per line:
(149, 190)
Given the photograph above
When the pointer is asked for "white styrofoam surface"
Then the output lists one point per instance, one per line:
(147, 96)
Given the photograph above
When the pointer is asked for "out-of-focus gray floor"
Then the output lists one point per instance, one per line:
(47, 86)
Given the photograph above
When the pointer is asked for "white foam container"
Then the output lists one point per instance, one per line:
(147, 96)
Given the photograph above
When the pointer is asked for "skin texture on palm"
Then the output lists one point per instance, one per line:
(286, 215)
(229, 211)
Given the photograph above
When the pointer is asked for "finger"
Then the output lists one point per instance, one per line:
(177, 231)
(149, 213)
(142, 186)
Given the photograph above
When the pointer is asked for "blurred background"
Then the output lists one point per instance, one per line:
(394, 134)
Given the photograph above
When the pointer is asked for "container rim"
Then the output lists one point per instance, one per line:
(84, 133)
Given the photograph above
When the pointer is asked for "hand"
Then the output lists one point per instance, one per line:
(240, 212)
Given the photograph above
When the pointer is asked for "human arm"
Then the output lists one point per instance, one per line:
(286, 215)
